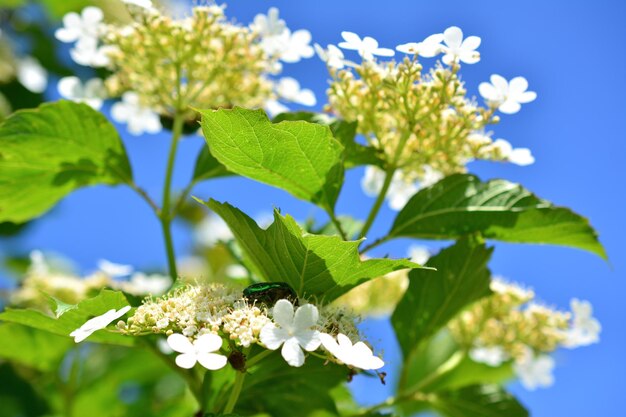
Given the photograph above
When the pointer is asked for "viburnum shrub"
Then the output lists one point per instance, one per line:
(264, 318)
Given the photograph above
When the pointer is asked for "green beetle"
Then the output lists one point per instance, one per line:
(269, 292)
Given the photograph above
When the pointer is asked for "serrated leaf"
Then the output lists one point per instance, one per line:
(208, 167)
(32, 347)
(314, 265)
(74, 318)
(48, 152)
(435, 297)
(478, 401)
(299, 157)
(354, 153)
(461, 204)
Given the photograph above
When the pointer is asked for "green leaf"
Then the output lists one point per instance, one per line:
(18, 396)
(74, 318)
(299, 157)
(314, 265)
(433, 298)
(48, 152)
(478, 401)
(275, 388)
(354, 153)
(208, 167)
(32, 347)
(461, 204)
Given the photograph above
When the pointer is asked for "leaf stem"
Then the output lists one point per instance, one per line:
(143, 194)
(166, 215)
(337, 224)
(379, 202)
(235, 392)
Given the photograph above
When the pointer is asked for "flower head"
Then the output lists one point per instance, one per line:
(77, 27)
(92, 92)
(366, 47)
(585, 328)
(140, 119)
(332, 56)
(201, 350)
(458, 49)
(507, 96)
(293, 331)
(358, 355)
(97, 323)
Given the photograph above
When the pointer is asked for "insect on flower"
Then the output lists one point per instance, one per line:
(269, 293)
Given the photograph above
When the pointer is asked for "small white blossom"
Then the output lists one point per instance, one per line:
(270, 24)
(274, 107)
(31, 74)
(199, 351)
(507, 96)
(236, 271)
(77, 27)
(142, 284)
(143, 4)
(458, 49)
(97, 323)
(585, 328)
(88, 53)
(296, 46)
(212, 230)
(366, 47)
(293, 331)
(428, 48)
(114, 270)
(418, 254)
(534, 371)
(92, 92)
(430, 176)
(358, 355)
(492, 355)
(399, 193)
(38, 264)
(288, 88)
(518, 156)
(332, 56)
(140, 119)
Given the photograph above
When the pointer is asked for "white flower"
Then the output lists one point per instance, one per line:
(236, 271)
(199, 351)
(585, 328)
(332, 56)
(418, 254)
(430, 176)
(357, 355)
(518, 156)
(140, 119)
(399, 193)
(506, 96)
(142, 284)
(294, 331)
(86, 52)
(31, 74)
(92, 92)
(428, 48)
(366, 47)
(288, 88)
(38, 264)
(144, 4)
(274, 107)
(114, 270)
(270, 24)
(534, 371)
(456, 49)
(77, 27)
(492, 355)
(296, 45)
(212, 230)
(97, 323)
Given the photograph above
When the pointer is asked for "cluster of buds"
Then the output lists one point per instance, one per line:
(509, 326)
(202, 61)
(414, 119)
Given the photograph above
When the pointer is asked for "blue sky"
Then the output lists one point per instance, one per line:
(570, 53)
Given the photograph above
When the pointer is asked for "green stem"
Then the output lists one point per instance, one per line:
(379, 202)
(234, 393)
(166, 217)
(257, 358)
(337, 224)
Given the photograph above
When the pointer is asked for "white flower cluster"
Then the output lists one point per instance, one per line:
(500, 330)
(352, 96)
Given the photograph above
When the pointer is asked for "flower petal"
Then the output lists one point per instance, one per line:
(272, 337)
(488, 92)
(471, 43)
(453, 37)
(500, 83)
(180, 343)
(509, 107)
(308, 339)
(283, 313)
(292, 353)
(352, 40)
(306, 316)
(208, 343)
(212, 361)
(186, 360)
